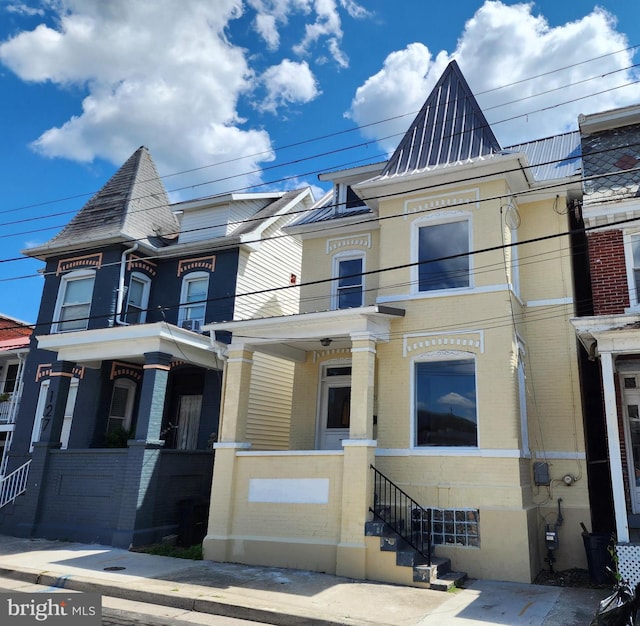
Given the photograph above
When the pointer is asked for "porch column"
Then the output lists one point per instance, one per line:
(235, 407)
(363, 364)
(235, 404)
(53, 415)
(613, 438)
(152, 396)
(359, 454)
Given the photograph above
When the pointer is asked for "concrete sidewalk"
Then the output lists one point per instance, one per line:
(283, 596)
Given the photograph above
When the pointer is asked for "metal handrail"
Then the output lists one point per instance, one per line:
(12, 485)
(402, 514)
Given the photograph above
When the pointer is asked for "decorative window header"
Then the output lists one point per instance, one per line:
(458, 200)
(119, 369)
(355, 241)
(466, 341)
(141, 264)
(44, 371)
(79, 262)
(206, 263)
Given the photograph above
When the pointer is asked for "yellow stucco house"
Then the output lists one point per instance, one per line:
(430, 378)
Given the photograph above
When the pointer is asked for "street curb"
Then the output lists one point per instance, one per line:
(179, 601)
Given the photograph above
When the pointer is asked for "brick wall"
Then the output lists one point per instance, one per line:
(608, 273)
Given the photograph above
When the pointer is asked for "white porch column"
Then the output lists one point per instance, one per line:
(615, 457)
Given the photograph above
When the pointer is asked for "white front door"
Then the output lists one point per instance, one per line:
(335, 407)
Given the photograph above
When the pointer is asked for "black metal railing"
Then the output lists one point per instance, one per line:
(402, 514)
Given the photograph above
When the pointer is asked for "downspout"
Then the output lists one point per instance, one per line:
(120, 303)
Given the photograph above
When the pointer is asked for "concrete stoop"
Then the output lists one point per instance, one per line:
(437, 575)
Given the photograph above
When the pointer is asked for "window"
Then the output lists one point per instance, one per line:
(188, 422)
(137, 299)
(74, 301)
(633, 259)
(10, 378)
(68, 413)
(445, 403)
(349, 286)
(437, 243)
(121, 408)
(193, 299)
(43, 411)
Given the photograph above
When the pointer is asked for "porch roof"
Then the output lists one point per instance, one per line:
(292, 336)
(130, 343)
(616, 334)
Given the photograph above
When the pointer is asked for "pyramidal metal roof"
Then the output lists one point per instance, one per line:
(133, 204)
(449, 128)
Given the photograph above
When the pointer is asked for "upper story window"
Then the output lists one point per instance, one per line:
(443, 255)
(74, 301)
(445, 403)
(8, 384)
(348, 288)
(137, 299)
(346, 198)
(193, 299)
(633, 268)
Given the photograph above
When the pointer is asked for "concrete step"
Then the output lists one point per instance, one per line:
(448, 581)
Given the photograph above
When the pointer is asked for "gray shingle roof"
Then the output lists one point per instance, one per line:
(133, 204)
(610, 158)
(449, 128)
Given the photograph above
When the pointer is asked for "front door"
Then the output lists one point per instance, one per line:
(335, 407)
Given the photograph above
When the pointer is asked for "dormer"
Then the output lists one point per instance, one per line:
(220, 216)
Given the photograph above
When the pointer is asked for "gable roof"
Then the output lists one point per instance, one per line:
(449, 128)
(132, 205)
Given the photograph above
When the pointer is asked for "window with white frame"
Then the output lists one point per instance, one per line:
(68, 413)
(348, 284)
(632, 253)
(443, 255)
(74, 301)
(121, 408)
(44, 410)
(445, 402)
(10, 378)
(137, 299)
(193, 299)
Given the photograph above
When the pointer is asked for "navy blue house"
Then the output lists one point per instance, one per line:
(121, 387)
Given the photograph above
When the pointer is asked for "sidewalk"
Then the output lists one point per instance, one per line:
(283, 596)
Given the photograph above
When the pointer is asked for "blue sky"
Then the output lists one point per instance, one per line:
(221, 90)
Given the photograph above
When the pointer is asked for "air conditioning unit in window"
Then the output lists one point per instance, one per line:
(193, 325)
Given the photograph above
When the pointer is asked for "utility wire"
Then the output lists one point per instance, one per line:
(360, 127)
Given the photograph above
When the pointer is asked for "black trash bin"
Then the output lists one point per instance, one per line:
(598, 556)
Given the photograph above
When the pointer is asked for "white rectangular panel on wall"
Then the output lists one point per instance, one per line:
(289, 490)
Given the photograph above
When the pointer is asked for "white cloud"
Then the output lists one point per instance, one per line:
(157, 73)
(22, 9)
(272, 15)
(288, 82)
(502, 45)
(455, 399)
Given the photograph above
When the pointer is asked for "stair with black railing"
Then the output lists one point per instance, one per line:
(437, 575)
